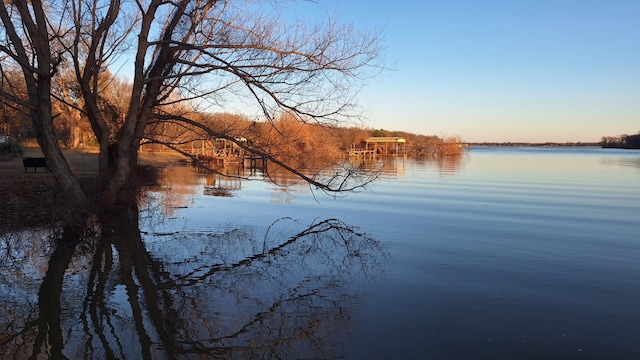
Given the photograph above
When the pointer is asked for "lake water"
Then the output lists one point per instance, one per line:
(502, 253)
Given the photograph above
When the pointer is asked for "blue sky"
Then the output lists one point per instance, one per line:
(489, 70)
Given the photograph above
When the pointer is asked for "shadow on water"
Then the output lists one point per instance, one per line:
(115, 291)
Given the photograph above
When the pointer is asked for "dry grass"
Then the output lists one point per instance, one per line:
(29, 198)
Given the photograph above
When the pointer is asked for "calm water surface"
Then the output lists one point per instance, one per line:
(503, 253)
(519, 253)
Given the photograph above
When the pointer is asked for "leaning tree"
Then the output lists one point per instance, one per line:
(178, 55)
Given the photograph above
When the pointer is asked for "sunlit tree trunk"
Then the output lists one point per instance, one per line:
(38, 71)
(41, 118)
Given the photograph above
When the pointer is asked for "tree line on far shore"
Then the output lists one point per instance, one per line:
(621, 141)
(293, 139)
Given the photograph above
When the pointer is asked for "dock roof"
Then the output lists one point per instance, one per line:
(385, 139)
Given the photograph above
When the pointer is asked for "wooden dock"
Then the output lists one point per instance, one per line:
(362, 154)
(219, 162)
(254, 162)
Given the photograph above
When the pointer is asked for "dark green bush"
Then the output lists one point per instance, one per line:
(10, 150)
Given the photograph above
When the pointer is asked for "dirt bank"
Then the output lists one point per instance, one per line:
(28, 198)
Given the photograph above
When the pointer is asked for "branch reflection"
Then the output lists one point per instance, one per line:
(234, 293)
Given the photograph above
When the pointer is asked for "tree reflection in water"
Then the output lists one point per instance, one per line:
(233, 293)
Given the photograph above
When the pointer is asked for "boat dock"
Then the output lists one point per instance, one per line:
(221, 161)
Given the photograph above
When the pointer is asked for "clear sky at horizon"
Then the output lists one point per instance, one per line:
(503, 70)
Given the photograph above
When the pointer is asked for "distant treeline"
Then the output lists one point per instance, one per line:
(622, 141)
(292, 139)
(550, 144)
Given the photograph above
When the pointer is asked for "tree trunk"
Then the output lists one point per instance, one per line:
(42, 120)
(123, 159)
(38, 67)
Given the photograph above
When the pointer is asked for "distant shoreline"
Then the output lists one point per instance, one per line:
(553, 144)
(620, 147)
(545, 144)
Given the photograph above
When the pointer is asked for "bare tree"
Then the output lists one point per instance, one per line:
(27, 41)
(13, 120)
(193, 51)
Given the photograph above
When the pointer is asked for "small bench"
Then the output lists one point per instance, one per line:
(35, 163)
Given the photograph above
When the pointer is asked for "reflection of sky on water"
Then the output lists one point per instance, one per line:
(523, 253)
(507, 251)
(504, 253)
